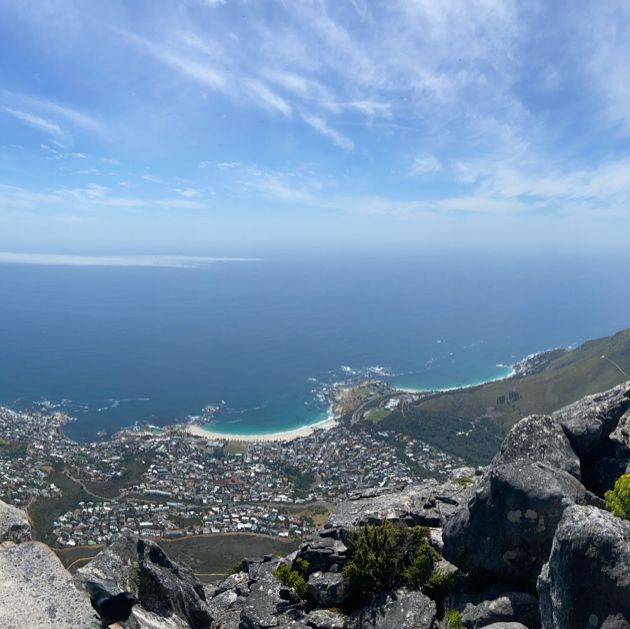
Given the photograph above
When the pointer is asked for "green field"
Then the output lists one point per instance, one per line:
(210, 556)
(44, 511)
(133, 471)
(376, 415)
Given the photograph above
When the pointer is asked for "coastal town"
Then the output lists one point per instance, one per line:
(170, 482)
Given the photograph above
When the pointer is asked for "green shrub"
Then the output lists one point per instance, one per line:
(293, 580)
(464, 481)
(385, 557)
(618, 498)
(454, 619)
(438, 585)
(301, 566)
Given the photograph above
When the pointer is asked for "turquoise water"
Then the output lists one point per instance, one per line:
(264, 341)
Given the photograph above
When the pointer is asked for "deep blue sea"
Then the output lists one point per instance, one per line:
(264, 340)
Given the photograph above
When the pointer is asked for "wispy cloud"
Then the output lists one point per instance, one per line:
(320, 125)
(38, 123)
(425, 164)
(49, 112)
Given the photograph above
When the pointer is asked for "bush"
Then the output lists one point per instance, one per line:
(293, 580)
(385, 557)
(454, 619)
(618, 498)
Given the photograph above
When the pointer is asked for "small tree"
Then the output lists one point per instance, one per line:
(618, 498)
(293, 580)
(385, 557)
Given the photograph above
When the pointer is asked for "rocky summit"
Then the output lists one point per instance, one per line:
(525, 543)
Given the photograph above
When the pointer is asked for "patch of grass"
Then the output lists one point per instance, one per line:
(316, 514)
(211, 556)
(75, 558)
(134, 468)
(12, 449)
(463, 481)
(375, 415)
(454, 619)
(44, 511)
(234, 447)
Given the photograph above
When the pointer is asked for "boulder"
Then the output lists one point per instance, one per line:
(327, 589)
(237, 582)
(399, 610)
(589, 421)
(505, 625)
(586, 582)
(162, 586)
(14, 525)
(264, 605)
(505, 607)
(143, 619)
(507, 528)
(539, 438)
(427, 503)
(325, 619)
(620, 437)
(322, 553)
(37, 591)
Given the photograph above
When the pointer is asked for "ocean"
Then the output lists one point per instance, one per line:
(258, 344)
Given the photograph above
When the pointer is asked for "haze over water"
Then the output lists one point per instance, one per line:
(265, 339)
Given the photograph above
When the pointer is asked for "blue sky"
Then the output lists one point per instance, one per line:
(238, 126)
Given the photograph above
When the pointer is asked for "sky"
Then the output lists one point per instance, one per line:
(235, 127)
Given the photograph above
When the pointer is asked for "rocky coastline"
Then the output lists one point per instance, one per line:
(527, 540)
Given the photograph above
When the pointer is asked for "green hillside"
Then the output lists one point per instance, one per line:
(470, 422)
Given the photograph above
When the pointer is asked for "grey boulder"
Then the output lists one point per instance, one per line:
(586, 582)
(322, 553)
(14, 525)
(400, 610)
(539, 438)
(505, 625)
(507, 528)
(504, 607)
(427, 504)
(325, 619)
(36, 591)
(327, 589)
(162, 586)
(589, 421)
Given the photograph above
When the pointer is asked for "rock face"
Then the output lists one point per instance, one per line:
(426, 504)
(327, 589)
(400, 610)
(586, 582)
(506, 530)
(589, 421)
(36, 591)
(14, 525)
(163, 587)
(539, 438)
(504, 607)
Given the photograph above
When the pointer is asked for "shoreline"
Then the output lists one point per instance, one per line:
(281, 435)
(517, 369)
(513, 372)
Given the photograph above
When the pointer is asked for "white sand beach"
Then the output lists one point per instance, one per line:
(287, 435)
